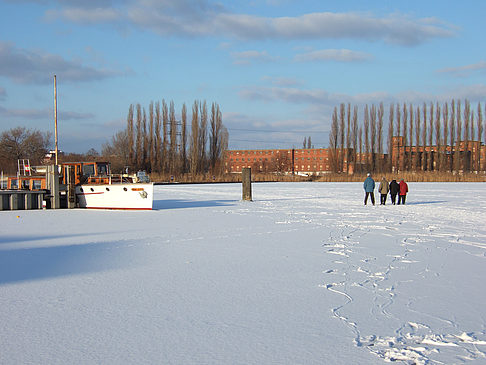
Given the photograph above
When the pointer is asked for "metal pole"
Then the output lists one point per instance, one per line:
(55, 115)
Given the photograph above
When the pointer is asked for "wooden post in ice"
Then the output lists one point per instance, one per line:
(71, 196)
(53, 186)
(246, 183)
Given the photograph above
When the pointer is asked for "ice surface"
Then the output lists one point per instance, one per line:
(304, 274)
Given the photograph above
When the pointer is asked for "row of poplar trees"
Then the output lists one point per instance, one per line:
(447, 129)
(159, 142)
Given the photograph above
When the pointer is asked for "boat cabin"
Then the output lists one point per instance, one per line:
(87, 172)
(26, 183)
(83, 173)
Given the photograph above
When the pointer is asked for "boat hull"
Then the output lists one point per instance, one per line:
(125, 196)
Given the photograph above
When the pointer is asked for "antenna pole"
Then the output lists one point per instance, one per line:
(55, 115)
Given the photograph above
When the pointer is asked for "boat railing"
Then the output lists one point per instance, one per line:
(119, 179)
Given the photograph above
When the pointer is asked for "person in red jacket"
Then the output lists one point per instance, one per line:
(403, 192)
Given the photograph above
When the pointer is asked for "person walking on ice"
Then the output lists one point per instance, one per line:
(383, 189)
(369, 187)
(403, 192)
(394, 190)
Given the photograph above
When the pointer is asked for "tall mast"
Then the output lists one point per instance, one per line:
(55, 115)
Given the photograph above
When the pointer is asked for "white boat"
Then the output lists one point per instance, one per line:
(96, 188)
(125, 196)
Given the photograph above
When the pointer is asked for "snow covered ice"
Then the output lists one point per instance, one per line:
(304, 274)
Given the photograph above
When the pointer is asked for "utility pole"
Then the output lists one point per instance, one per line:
(55, 116)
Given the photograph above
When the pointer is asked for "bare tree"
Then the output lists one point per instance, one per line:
(165, 136)
(334, 142)
(183, 147)
(373, 137)
(445, 122)
(151, 139)
(145, 141)
(342, 115)
(457, 159)
(452, 134)
(348, 139)
(157, 163)
(367, 138)
(380, 137)
(355, 136)
(398, 159)
(173, 140)
(410, 158)
(116, 151)
(390, 138)
(139, 140)
(130, 136)
(203, 136)
(423, 161)
(21, 143)
(215, 139)
(404, 162)
(431, 137)
(479, 121)
(360, 144)
(467, 119)
(438, 141)
(416, 161)
(194, 146)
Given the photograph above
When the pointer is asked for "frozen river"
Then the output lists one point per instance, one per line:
(304, 274)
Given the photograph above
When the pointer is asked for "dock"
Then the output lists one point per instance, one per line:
(22, 199)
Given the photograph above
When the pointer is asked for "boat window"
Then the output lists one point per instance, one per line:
(37, 184)
(102, 169)
(88, 170)
(14, 184)
(25, 184)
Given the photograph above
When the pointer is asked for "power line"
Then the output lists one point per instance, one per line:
(269, 142)
(274, 131)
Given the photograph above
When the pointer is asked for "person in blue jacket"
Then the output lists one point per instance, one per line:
(369, 187)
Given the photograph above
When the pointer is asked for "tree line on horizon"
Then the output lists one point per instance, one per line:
(158, 142)
(443, 130)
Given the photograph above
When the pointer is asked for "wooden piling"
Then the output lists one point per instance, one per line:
(53, 186)
(71, 195)
(246, 183)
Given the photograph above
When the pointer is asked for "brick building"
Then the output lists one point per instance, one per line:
(471, 156)
(298, 161)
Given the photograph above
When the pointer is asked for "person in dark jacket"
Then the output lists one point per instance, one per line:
(383, 189)
(403, 192)
(369, 187)
(394, 190)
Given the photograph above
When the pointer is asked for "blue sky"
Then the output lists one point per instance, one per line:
(277, 68)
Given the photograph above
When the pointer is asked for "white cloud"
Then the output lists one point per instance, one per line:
(45, 113)
(464, 71)
(37, 66)
(203, 18)
(282, 81)
(247, 57)
(339, 55)
(321, 98)
(85, 15)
